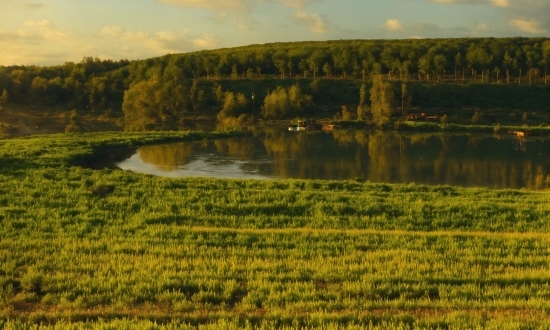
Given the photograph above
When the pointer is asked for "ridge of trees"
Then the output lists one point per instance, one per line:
(96, 84)
(522, 60)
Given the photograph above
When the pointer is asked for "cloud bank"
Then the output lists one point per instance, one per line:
(393, 25)
(314, 22)
(528, 25)
(45, 43)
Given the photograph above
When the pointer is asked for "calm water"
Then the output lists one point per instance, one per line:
(454, 159)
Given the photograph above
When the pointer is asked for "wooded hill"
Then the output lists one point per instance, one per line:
(507, 73)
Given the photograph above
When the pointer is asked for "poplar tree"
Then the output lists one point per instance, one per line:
(283, 102)
(3, 98)
(362, 109)
(405, 98)
(382, 99)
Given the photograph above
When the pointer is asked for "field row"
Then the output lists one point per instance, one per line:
(49, 200)
(185, 269)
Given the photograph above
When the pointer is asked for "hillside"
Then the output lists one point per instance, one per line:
(502, 77)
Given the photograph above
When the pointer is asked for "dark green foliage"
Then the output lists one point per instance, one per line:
(485, 96)
(447, 66)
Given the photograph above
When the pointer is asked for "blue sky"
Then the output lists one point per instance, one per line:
(50, 32)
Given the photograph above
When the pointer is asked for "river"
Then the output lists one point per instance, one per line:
(469, 160)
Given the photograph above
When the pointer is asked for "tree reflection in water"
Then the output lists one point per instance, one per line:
(378, 156)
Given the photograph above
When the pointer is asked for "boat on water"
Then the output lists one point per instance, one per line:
(296, 128)
(305, 125)
(520, 133)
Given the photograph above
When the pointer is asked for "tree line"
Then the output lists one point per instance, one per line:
(175, 84)
(479, 59)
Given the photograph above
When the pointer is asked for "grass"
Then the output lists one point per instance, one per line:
(108, 249)
(452, 127)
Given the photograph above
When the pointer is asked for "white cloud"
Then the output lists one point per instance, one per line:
(112, 31)
(45, 30)
(207, 41)
(35, 43)
(239, 12)
(42, 43)
(529, 26)
(393, 25)
(314, 22)
(160, 42)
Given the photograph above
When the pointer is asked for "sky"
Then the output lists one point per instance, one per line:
(51, 32)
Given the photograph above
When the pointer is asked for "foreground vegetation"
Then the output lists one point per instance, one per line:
(108, 249)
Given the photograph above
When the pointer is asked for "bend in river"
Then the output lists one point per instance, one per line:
(427, 158)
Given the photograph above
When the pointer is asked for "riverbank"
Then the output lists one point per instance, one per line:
(98, 248)
(25, 121)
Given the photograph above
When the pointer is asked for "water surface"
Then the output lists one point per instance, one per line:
(453, 159)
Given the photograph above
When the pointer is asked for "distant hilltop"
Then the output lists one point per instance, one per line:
(424, 59)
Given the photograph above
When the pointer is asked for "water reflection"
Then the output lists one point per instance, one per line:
(457, 159)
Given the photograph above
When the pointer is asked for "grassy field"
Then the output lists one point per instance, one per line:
(109, 249)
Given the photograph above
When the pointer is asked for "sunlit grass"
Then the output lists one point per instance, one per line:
(163, 253)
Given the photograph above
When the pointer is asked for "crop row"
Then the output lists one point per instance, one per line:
(50, 200)
(305, 271)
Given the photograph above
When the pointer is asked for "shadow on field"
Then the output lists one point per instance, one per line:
(14, 164)
(104, 158)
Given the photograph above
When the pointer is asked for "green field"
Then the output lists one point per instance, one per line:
(109, 249)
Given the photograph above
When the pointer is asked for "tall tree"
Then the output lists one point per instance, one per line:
(233, 106)
(509, 63)
(425, 65)
(545, 62)
(151, 103)
(281, 63)
(327, 69)
(196, 96)
(440, 62)
(362, 109)
(520, 62)
(3, 99)
(459, 65)
(405, 99)
(478, 60)
(382, 100)
(283, 102)
(314, 61)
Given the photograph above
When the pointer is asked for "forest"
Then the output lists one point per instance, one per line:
(484, 73)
